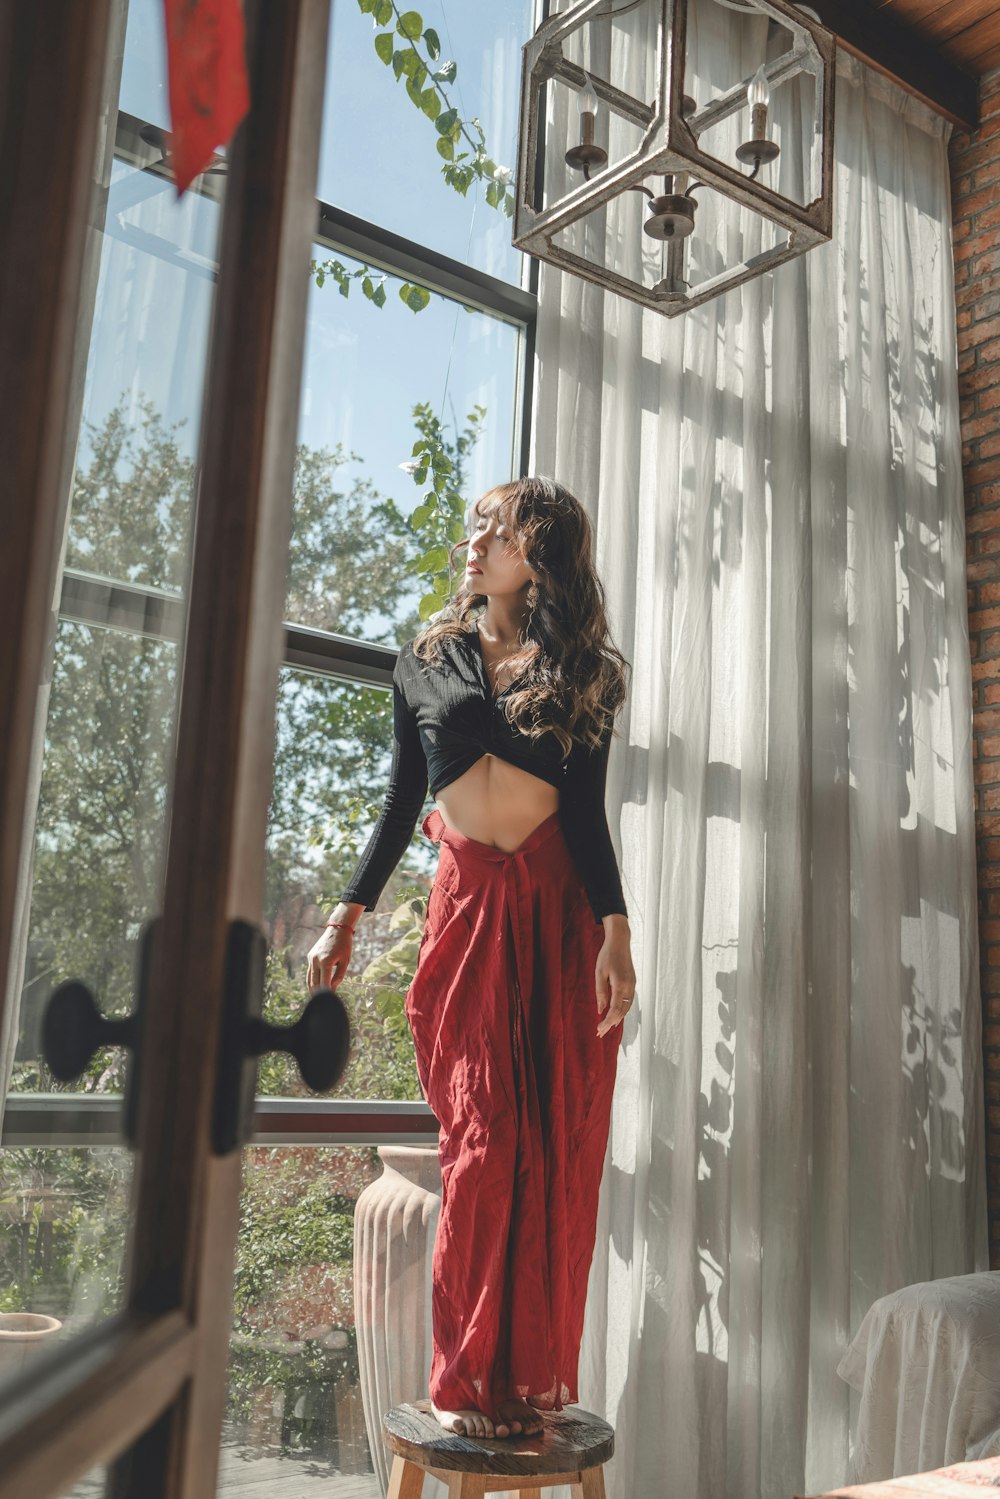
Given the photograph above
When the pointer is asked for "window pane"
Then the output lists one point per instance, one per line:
(308, 1365)
(103, 750)
(332, 766)
(375, 377)
(63, 1217)
(393, 175)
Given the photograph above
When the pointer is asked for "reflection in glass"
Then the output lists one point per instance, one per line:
(295, 1412)
(331, 770)
(104, 747)
(63, 1217)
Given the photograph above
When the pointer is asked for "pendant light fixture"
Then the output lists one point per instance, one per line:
(719, 113)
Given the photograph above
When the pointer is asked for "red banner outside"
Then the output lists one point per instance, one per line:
(206, 66)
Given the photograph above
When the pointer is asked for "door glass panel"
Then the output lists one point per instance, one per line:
(104, 736)
(334, 747)
(319, 1339)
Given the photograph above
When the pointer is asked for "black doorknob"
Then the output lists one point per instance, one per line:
(74, 1030)
(320, 1040)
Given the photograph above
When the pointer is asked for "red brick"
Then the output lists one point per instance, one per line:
(972, 293)
(981, 150)
(988, 172)
(978, 379)
(988, 400)
(990, 445)
(982, 473)
(984, 619)
(979, 426)
(988, 261)
(991, 692)
(971, 203)
(976, 244)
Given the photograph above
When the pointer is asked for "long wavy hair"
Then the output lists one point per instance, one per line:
(568, 678)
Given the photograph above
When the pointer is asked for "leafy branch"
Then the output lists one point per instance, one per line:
(426, 86)
(373, 283)
(439, 519)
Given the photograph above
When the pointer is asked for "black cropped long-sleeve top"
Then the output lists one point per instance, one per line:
(445, 718)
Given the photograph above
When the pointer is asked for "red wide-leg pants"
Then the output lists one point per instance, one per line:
(503, 1011)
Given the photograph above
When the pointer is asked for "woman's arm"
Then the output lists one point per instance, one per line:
(404, 798)
(585, 828)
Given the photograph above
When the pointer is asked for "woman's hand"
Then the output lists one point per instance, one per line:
(328, 957)
(614, 974)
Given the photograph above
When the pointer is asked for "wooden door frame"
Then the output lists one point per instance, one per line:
(157, 1371)
(52, 61)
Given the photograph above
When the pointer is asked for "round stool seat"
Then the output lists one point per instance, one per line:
(572, 1448)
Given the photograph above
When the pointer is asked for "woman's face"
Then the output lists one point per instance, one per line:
(502, 568)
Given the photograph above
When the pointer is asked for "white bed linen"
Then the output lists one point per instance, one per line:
(926, 1362)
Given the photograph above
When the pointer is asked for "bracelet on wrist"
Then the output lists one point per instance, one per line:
(349, 924)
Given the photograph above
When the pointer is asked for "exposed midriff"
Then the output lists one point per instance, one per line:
(497, 803)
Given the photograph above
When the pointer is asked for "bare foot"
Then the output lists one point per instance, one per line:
(470, 1423)
(523, 1420)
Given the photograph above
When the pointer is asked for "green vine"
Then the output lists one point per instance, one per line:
(425, 84)
(373, 283)
(439, 519)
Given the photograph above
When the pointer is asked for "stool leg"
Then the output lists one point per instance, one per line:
(406, 1481)
(467, 1486)
(592, 1484)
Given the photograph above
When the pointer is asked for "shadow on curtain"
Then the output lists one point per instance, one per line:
(775, 483)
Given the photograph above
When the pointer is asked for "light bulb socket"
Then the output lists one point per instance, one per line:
(758, 151)
(588, 153)
(671, 216)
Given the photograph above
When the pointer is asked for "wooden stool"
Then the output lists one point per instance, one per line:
(572, 1448)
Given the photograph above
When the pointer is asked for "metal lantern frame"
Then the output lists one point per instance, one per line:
(669, 145)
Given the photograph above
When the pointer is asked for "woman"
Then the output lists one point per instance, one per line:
(505, 704)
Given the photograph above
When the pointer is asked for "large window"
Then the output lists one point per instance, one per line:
(395, 394)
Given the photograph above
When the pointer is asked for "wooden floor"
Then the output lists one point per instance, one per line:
(290, 1478)
(243, 1476)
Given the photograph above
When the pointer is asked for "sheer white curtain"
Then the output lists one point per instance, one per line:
(775, 483)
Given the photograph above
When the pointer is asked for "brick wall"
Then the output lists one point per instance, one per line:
(975, 169)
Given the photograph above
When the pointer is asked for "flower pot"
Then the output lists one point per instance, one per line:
(21, 1335)
(395, 1223)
